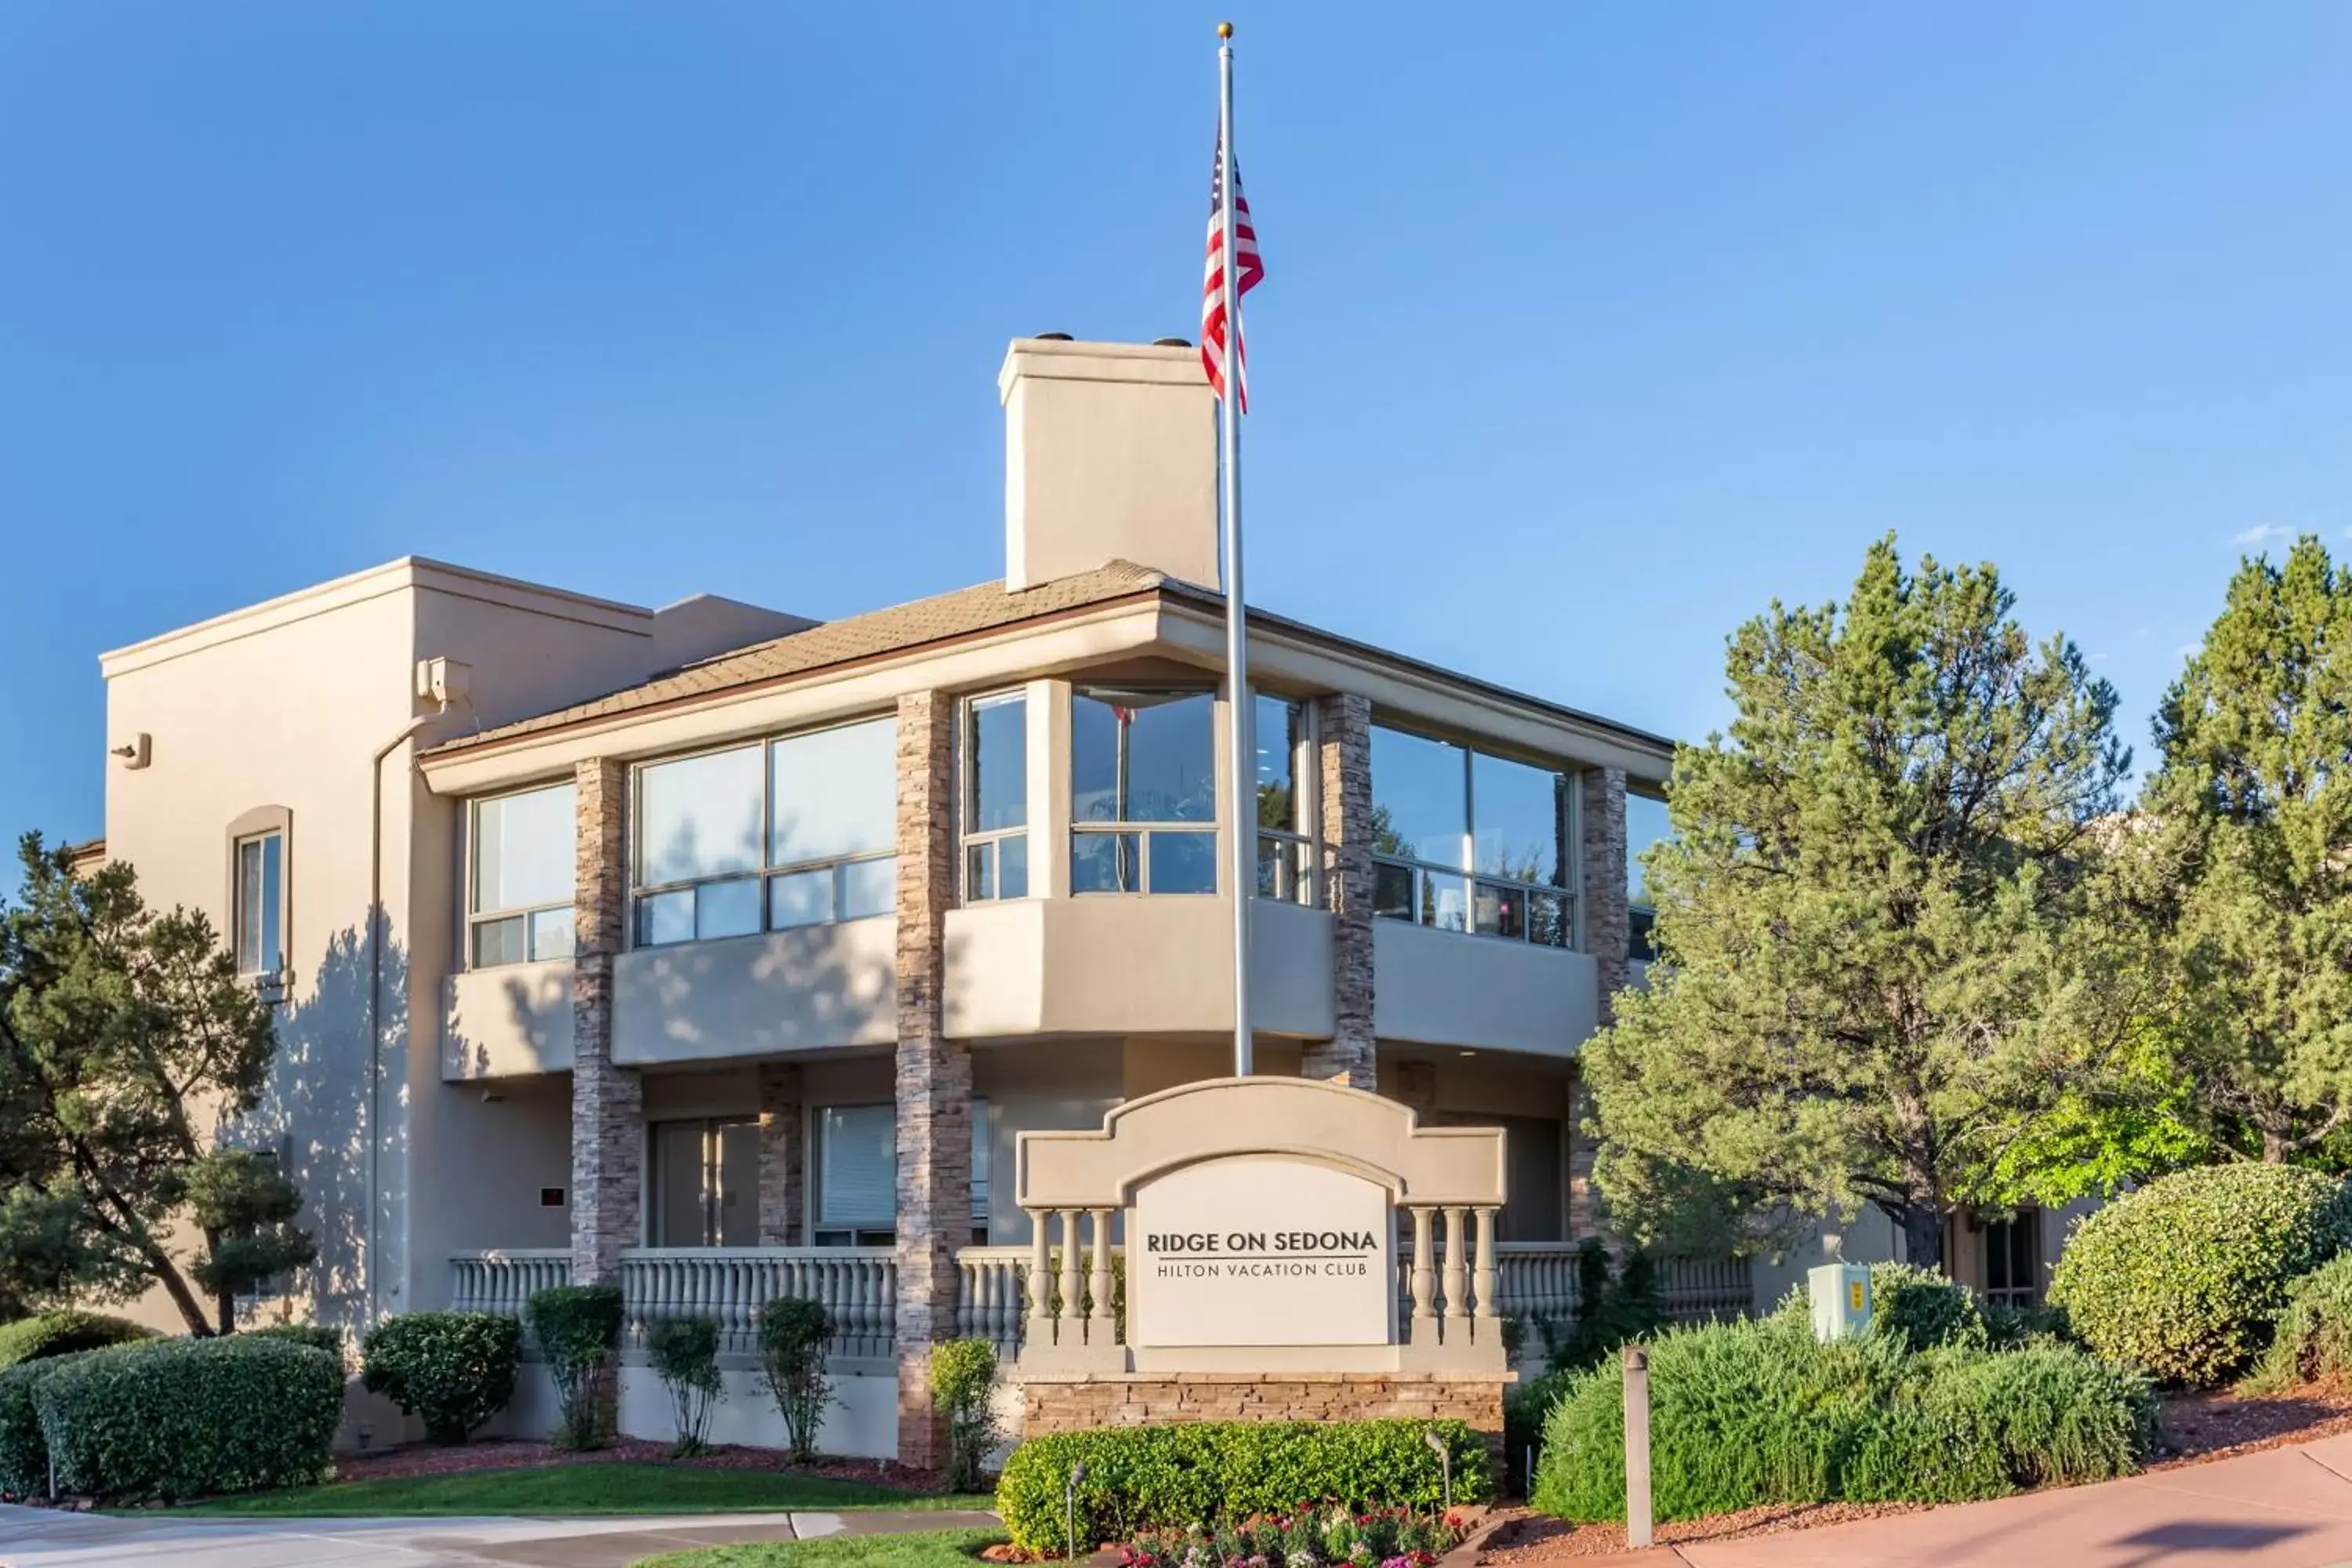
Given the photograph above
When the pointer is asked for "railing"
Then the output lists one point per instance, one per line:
(993, 1298)
(858, 1285)
(1538, 1280)
(1705, 1289)
(502, 1281)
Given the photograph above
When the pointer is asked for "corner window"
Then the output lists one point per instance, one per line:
(524, 852)
(1143, 791)
(1285, 833)
(260, 901)
(993, 798)
(1645, 825)
(1467, 841)
(856, 1166)
(802, 831)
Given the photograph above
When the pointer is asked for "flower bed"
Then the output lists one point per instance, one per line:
(1310, 1538)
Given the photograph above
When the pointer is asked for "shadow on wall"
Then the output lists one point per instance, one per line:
(315, 1112)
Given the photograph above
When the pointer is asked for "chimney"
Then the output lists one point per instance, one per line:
(1110, 453)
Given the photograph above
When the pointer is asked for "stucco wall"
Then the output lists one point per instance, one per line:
(814, 988)
(1444, 988)
(512, 1019)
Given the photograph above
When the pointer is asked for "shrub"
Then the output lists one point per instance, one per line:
(1923, 1309)
(1615, 1306)
(962, 1376)
(1305, 1540)
(792, 1333)
(578, 1328)
(63, 1333)
(2313, 1339)
(2008, 1328)
(1143, 1478)
(455, 1369)
(1525, 1406)
(2183, 1277)
(318, 1336)
(24, 1452)
(685, 1355)
(1751, 1413)
(190, 1418)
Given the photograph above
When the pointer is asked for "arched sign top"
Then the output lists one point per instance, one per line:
(1362, 1134)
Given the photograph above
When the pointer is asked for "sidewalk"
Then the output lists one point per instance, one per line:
(45, 1538)
(2282, 1508)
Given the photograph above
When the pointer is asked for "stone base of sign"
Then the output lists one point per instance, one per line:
(1081, 1402)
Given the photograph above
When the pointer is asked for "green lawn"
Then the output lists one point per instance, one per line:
(616, 1487)
(929, 1548)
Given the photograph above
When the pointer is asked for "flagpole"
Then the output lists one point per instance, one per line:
(1241, 771)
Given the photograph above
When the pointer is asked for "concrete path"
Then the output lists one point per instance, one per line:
(43, 1538)
(2282, 1508)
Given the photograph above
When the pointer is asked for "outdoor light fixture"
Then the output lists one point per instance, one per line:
(1070, 1506)
(1445, 1462)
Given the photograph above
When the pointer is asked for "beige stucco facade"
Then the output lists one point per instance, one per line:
(430, 1103)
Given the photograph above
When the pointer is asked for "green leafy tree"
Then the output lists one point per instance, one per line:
(2251, 829)
(128, 1042)
(1878, 970)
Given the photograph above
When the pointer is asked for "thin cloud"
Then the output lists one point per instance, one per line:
(2262, 533)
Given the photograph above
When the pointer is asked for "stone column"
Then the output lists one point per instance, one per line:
(781, 1157)
(608, 1122)
(1608, 937)
(934, 1076)
(1344, 756)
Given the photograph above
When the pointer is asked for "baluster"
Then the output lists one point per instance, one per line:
(1071, 1289)
(1041, 1322)
(1100, 1321)
(1485, 1283)
(1424, 1321)
(1457, 1276)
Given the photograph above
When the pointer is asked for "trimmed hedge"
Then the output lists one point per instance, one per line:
(455, 1369)
(24, 1457)
(1758, 1412)
(63, 1333)
(188, 1418)
(318, 1336)
(1142, 1479)
(2313, 1340)
(2183, 1277)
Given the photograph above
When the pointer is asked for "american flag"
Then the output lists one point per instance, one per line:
(1212, 289)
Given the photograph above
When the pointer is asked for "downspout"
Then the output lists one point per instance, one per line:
(375, 988)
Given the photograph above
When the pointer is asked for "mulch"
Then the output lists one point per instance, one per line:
(2200, 1427)
(509, 1453)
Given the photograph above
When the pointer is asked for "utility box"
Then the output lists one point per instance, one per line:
(1840, 1293)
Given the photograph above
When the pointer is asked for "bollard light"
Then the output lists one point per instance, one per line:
(1070, 1508)
(1445, 1462)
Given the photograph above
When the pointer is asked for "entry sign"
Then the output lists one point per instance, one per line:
(1260, 1250)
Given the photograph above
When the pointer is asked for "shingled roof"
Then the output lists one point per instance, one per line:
(898, 629)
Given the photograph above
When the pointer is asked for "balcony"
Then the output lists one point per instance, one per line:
(508, 1021)
(1444, 988)
(811, 988)
(1116, 965)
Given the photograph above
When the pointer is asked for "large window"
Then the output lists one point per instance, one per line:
(1143, 791)
(802, 831)
(994, 797)
(705, 1183)
(1465, 841)
(1284, 835)
(855, 1163)
(523, 856)
(1645, 825)
(259, 899)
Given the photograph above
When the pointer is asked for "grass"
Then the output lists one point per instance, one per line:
(619, 1488)
(929, 1548)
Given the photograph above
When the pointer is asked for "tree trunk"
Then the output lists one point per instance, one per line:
(1923, 1236)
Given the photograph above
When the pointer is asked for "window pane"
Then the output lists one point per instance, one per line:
(249, 906)
(1517, 812)
(499, 942)
(980, 872)
(980, 1161)
(1391, 892)
(835, 793)
(681, 1215)
(803, 898)
(1105, 862)
(524, 847)
(1644, 944)
(1281, 871)
(739, 1183)
(1013, 866)
(1142, 756)
(857, 1165)
(1420, 797)
(551, 933)
(666, 917)
(727, 909)
(699, 817)
(869, 888)
(1279, 729)
(1444, 901)
(1497, 911)
(1183, 863)
(997, 769)
(1645, 824)
(273, 892)
(1548, 918)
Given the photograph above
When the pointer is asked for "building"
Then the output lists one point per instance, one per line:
(720, 951)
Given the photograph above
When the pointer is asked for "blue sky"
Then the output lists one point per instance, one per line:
(1587, 329)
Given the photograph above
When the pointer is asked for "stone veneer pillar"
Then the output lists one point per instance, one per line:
(1344, 727)
(607, 1101)
(782, 1159)
(934, 1076)
(1608, 937)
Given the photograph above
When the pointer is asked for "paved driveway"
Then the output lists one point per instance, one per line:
(42, 1538)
